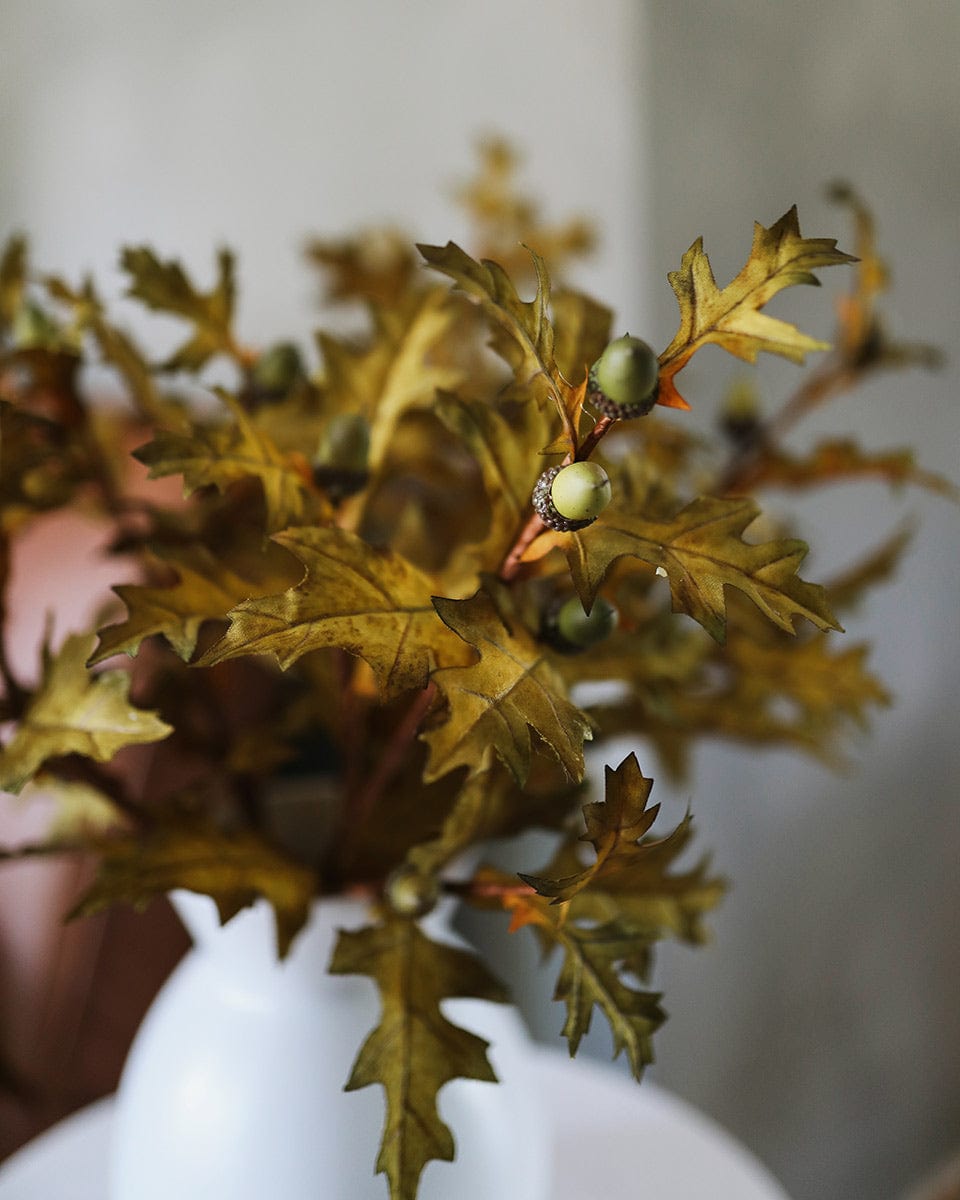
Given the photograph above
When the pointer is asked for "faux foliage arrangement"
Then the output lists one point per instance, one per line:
(393, 572)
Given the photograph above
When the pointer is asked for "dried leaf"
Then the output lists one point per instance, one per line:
(221, 455)
(731, 317)
(702, 552)
(13, 277)
(843, 460)
(399, 370)
(235, 870)
(524, 333)
(494, 704)
(370, 602)
(614, 827)
(414, 1050)
(74, 712)
(208, 587)
(166, 287)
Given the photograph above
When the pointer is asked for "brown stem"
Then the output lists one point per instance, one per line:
(835, 376)
(14, 695)
(485, 889)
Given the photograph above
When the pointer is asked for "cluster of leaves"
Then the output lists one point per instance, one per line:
(355, 585)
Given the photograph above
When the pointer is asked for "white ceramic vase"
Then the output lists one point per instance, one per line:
(233, 1089)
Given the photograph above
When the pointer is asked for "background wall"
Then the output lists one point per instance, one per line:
(821, 1025)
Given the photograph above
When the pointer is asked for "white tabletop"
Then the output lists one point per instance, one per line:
(612, 1141)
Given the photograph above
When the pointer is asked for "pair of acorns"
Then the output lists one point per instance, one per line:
(623, 383)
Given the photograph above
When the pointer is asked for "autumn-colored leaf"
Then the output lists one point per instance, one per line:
(400, 369)
(414, 1050)
(40, 466)
(74, 712)
(731, 317)
(614, 827)
(523, 330)
(876, 567)
(377, 266)
(841, 461)
(702, 552)
(372, 603)
(208, 586)
(599, 962)
(494, 704)
(234, 869)
(13, 277)
(166, 287)
(221, 455)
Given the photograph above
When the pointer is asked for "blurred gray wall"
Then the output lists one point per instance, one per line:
(821, 1026)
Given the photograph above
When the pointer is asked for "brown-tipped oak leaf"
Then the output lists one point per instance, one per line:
(75, 712)
(414, 1050)
(494, 704)
(702, 552)
(731, 317)
(370, 602)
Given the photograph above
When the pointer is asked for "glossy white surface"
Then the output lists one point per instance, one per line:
(609, 1140)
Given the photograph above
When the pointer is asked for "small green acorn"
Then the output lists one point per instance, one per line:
(624, 380)
(277, 371)
(340, 461)
(571, 497)
(569, 629)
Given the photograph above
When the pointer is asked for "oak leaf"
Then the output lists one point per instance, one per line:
(166, 287)
(731, 317)
(221, 455)
(74, 712)
(234, 869)
(523, 331)
(414, 1050)
(701, 551)
(208, 586)
(494, 703)
(614, 827)
(13, 277)
(402, 367)
(370, 602)
(843, 460)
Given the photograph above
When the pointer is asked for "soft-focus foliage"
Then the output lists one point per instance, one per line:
(353, 585)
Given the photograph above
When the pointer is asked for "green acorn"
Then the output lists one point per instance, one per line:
(624, 381)
(571, 497)
(277, 371)
(569, 629)
(340, 462)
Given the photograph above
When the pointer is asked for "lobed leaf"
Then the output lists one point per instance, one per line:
(494, 703)
(234, 869)
(414, 1050)
(222, 455)
(372, 603)
(74, 712)
(207, 588)
(731, 317)
(166, 287)
(701, 551)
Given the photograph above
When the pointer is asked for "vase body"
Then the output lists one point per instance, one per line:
(233, 1089)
